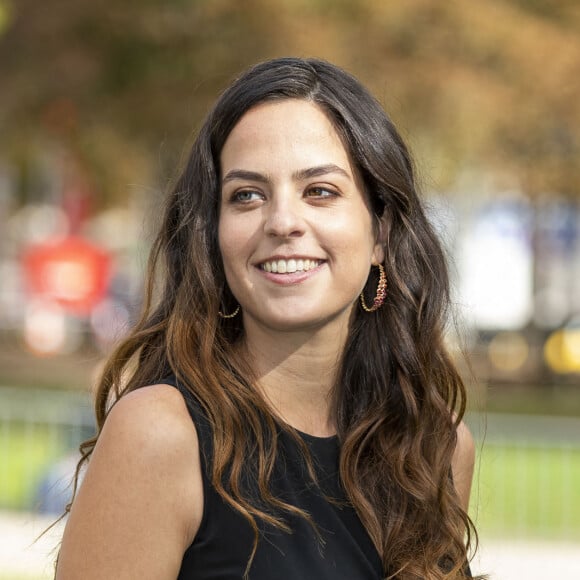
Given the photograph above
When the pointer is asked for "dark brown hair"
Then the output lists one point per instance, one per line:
(398, 398)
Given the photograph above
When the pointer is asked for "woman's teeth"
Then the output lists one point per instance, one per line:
(289, 266)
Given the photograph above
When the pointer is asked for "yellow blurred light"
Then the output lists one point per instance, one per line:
(562, 351)
(508, 351)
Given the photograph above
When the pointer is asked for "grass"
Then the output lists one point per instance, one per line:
(26, 452)
(528, 491)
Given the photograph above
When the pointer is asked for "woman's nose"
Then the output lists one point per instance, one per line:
(284, 217)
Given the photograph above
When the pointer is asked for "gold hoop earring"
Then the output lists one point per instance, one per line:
(234, 313)
(381, 292)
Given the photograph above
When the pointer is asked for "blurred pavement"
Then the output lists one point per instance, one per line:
(507, 559)
(21, 558)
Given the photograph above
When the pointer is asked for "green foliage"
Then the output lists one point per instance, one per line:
(491, 87)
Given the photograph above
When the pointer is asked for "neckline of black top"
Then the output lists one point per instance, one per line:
(306, 436)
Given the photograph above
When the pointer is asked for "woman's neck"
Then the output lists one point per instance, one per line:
(296, 373)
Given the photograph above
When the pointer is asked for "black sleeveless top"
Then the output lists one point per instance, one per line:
(224, 541)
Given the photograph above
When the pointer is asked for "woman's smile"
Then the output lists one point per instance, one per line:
(290, 271)
(289, 265)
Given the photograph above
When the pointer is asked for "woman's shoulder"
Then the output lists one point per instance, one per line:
(151, 429)
(161, 397)
(141, 500)
(149, 437)
(154, 415)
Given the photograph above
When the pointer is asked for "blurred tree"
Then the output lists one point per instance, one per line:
(491, 87)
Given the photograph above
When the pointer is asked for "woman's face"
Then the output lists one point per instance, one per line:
(295, 231)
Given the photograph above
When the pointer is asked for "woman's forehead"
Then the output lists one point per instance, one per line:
(295, 132)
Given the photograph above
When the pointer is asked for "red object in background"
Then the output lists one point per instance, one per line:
(73, 272)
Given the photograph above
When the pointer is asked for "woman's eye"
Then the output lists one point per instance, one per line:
(320, 192)
(246, 195)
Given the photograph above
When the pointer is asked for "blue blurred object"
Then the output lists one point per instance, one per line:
(55, 488)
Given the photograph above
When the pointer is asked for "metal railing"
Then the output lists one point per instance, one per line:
(527, 480)
(40, 432)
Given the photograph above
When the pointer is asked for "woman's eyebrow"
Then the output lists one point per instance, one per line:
(245, 176)
(319, 171)
(299, 175)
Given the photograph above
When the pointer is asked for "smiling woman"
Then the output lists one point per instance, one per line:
(262, 420)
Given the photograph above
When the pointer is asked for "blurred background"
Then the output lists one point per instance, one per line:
(98, 102)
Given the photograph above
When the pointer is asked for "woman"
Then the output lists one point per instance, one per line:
(286, 407)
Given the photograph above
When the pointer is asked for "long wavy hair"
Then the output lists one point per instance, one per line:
(398, 398)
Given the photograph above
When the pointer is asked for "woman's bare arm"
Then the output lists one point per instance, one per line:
(140, 503)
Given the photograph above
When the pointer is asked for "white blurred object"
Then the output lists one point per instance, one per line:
(44, 327)
(495, 263)
(47, 330)
(37, 223)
